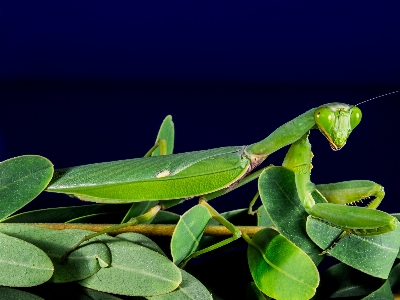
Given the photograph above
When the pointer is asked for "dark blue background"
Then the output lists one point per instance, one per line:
(90, 81)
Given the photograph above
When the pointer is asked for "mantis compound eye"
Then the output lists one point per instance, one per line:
(355, 117)
(324, 119)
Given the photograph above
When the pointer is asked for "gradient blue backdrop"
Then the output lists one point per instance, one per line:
(90, 81)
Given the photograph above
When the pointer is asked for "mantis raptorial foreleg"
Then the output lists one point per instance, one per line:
(351, 192)
(352, 219)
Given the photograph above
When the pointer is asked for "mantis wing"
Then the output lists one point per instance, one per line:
(153, 178)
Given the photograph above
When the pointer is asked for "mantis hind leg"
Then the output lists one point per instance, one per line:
(236, 233)
(164, 144)
(160, 145)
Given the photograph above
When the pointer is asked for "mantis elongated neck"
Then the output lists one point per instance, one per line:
(284, 135)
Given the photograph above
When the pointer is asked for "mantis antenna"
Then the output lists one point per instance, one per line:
(377, 97)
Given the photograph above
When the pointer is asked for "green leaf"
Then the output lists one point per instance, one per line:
(263, 218)
(82, 263)
(280, 199)
(373, 255)
(65, 214)
(237, 217)
(100, 218)
(279, 268)
(165, 217)
(384, 292)
(96, 295)
(22, 179)
(394, 278)
(169, 203)
(341, 280)
(13, 294)
(188, 232)
(166, 132)
(398, 218)
(138, 209)
(141, 240)
(189, 289)
(253, 293)
(22, 263)
(135, 271)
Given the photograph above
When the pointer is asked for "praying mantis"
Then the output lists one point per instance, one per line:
(211, 173)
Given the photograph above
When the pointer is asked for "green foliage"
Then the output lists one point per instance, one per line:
(22, 179)
(289, 267)
(282, 257)
(274, 261)
(381, 249)
(188, 233)
(23, 263)
(82, 263)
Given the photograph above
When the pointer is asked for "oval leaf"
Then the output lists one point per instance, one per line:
(22, 179)
(96, 295)
(394, 279)
(341, 281)
(141, 240)
(237, 217)
(373, 255)
(189, 289)
(65, 214)
(82, 263)
(135, 271)
(279, 196)
(165, 217)
(22, 263)
(263, 218)
(253, 293)
(138, 209)
(188, 232)
(101, 218)
(279, 268)
(13, 294)
(384, 292)
(166, 132)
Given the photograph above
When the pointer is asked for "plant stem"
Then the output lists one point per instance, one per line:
(145, 229)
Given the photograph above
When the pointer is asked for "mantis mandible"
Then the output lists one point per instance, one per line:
(199, 173)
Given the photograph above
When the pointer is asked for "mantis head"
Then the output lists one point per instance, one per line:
(336, 121)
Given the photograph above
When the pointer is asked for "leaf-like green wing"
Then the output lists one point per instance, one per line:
(153, 178)
(22, 179)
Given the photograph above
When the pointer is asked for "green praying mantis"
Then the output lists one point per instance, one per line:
(210, 173)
